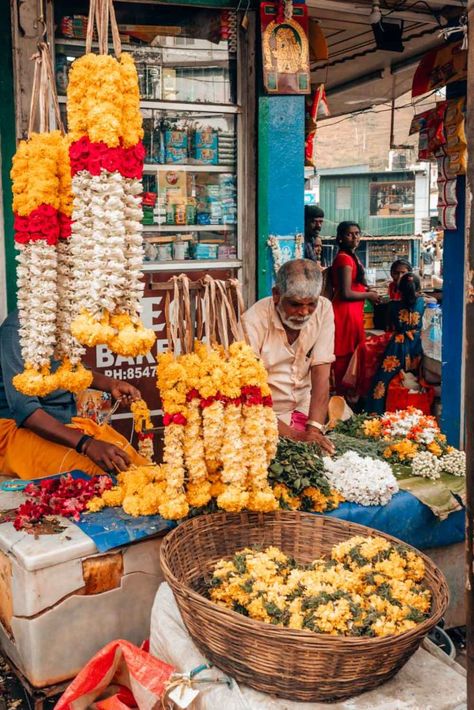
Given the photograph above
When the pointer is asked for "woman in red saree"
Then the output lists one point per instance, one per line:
(350, 291)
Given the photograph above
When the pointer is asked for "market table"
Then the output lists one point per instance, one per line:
(66, 595)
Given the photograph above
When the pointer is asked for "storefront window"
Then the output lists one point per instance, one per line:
(392, 199)
(186, 62)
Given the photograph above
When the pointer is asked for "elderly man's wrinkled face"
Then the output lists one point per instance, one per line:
(294, 312)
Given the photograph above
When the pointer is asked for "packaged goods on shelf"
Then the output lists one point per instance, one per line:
(205, 251)
(176, 146)
(205, 147)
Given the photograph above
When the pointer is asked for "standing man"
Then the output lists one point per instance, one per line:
(293, 333)
(313, 222)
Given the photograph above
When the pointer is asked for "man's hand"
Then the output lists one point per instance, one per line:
(107, 456)
(124, 392)
(315, 435)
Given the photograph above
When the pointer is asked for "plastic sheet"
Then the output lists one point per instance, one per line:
(121, 664)
(408, 519)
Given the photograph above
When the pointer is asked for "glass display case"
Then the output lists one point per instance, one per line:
(187, 69)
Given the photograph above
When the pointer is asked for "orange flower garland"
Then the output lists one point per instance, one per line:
(219, 436)
(42, 203)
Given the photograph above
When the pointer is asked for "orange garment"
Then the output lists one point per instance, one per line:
(26, 455)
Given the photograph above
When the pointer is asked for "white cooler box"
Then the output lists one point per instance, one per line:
(61, 600)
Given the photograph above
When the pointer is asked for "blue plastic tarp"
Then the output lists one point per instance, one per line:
(404, 517)
(408, 519)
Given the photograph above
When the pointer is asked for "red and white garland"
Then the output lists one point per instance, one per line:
(107, 158)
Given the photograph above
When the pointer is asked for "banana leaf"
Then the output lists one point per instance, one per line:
(437, 494)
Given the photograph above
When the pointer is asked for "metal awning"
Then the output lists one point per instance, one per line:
(358, 75)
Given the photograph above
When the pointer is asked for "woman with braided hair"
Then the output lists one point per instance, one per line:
(350, 292)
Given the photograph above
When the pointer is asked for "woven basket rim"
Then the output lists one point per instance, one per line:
(300, 634)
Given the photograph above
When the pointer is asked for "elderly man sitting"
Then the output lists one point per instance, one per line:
(293, 333)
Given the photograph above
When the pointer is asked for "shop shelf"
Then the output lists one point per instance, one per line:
(224, 168)
(188, 228)
(191, 265)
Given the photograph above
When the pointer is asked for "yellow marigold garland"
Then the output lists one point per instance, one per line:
(220, 430)
(42, 203)
(198, 489)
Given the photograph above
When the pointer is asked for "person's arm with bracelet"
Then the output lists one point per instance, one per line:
(347, 294)
(318, 408)
(107, 456)
(317, 412)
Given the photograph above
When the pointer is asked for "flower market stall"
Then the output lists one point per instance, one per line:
(72, 578)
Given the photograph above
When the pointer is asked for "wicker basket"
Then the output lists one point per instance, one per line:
(294, 664)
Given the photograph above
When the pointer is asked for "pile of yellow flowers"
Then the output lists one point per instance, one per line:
(310, 499)
(369, 587)
(220, 430)
(140, 491)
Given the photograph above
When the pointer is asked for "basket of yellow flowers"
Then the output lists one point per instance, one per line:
(306, 607)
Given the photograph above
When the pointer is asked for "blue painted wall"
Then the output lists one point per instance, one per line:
(280, 176)
(454, 257)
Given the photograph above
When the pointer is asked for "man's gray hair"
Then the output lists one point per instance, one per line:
(299, 278)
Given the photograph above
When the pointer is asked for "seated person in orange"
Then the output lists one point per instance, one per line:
(41, 436)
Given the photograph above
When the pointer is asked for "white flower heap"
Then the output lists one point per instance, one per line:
(361, 479)
(107, 157)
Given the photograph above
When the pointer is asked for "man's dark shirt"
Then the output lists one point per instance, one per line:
(14, 405)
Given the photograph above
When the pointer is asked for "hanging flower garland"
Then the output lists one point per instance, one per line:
(107, 156)
(142, 426)
(219, 436)
(42, 208)
(277, 252)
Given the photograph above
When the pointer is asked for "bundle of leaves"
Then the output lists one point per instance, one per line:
(364, 447)
(298, 465)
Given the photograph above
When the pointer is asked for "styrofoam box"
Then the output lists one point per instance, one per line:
(49, 626)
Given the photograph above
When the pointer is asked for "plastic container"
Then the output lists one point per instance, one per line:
(54, 615)
(431, 335)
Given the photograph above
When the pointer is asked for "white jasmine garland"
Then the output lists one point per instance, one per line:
(67, 346)
(82, 239)
(37, 263)
(361, 479)
(274, 245)
(299, 241)
(426, 465)
(454, 462)
(133, 214)
(98, 241)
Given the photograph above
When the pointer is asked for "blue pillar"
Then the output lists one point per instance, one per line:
(280, 176)
(452, 389)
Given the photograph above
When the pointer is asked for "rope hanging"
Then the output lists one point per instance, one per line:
(210, 309)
